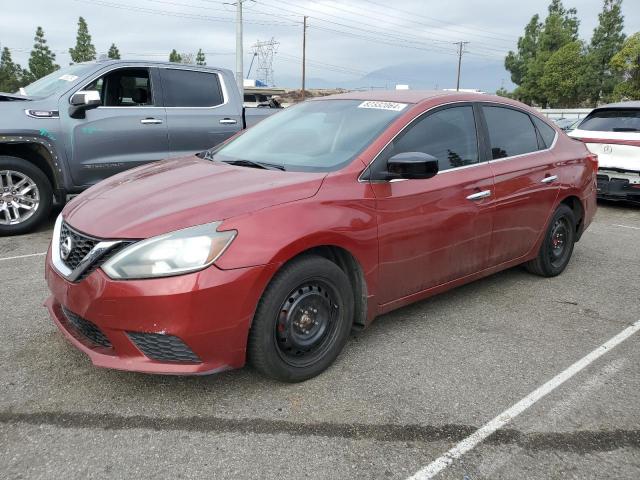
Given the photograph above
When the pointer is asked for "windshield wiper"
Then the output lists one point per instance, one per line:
(251, 163)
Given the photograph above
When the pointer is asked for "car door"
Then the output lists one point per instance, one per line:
(526, 180)
(128, 129)
(435, 230)
(200, 114)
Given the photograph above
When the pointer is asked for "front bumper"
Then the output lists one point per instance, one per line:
(200, 321)
(614, 185)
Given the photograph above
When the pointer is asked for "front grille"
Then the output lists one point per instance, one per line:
(86, 329)
(82, 245)
(164, 348)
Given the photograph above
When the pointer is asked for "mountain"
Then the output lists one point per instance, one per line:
(487, 76)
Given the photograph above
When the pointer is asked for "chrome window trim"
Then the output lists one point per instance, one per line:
(489, 102)
(223, 86)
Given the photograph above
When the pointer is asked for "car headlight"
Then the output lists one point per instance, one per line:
(174, 253)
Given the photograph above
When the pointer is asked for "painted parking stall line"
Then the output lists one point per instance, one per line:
(41, 254)
(505, 417)
(626, 226)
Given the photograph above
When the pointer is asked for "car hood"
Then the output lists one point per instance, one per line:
(174, 194)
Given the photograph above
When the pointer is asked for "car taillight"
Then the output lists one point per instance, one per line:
(593, 158)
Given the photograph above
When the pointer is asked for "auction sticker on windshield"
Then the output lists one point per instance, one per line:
(69, 78)
(396, 107)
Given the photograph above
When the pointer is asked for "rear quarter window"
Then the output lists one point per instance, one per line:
(547, 133)
(613, 120)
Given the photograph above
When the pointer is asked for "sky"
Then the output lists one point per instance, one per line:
(356, 44)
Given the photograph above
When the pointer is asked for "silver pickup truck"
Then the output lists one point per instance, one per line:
(88, 121)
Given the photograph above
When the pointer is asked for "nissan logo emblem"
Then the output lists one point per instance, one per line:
(65, 247)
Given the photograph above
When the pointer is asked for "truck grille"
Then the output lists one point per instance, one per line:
(86, 329)
(164, 348)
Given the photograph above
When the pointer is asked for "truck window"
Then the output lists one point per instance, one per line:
(127, 87)
(189, 88)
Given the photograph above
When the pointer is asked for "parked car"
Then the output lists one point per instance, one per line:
(274, 245)
(613, 133)
(86, 122)
(567, 124)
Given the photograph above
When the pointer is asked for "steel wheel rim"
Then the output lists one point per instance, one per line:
(19, 197)
(307, 323)
(558, 244)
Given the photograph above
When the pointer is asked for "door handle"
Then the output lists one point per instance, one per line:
(151, 121)
(549, 179)
(228, 121)
(479, 195)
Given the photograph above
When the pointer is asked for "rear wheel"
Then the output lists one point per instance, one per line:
(557, 246)
(302, 321)
(26, 196)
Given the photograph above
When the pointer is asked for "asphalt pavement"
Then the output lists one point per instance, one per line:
(404, 392)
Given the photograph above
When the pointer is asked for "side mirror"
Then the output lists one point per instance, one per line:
(412, 165)
(82, 101)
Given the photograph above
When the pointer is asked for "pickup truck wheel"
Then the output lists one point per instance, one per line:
(557, 246)
(26, 196)
(302, 321)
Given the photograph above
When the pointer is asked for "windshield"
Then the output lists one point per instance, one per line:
(615, 120)
(316, 136)
(57, 81)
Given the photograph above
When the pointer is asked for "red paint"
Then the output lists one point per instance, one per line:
(411, 239)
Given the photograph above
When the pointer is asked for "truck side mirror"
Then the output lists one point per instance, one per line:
(82, 101)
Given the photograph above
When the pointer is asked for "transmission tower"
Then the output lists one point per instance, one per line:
(263, 53)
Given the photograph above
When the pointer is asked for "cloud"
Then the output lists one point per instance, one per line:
(345, 40)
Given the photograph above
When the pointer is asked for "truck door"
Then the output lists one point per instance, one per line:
(200, 113)
(127, 130)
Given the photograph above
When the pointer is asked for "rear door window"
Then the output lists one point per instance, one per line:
(511, 132)
(612, 120)
(189, 88)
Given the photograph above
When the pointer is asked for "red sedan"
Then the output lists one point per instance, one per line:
(272, 247)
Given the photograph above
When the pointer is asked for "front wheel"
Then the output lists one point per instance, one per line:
(557, 245)
(26, 196)
(302, 321)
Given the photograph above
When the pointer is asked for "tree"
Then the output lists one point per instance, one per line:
(11, 74)
(563, 76)
(113, 52)
(200, 58)
(626, 63)
(606, 41)
(42, 60)
(518, 63)
(84, 50)
(503, 92)
(175, 57)
(535, 48)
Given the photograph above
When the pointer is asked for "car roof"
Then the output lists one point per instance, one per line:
(631, 104)
(418, 96)
(100, 63)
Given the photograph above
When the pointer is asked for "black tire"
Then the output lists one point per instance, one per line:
(302, 321)
(557, 245)
(44, 193)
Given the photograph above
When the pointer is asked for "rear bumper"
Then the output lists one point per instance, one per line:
(201, 319)
(614, 185)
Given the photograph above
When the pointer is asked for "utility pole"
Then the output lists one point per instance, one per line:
(304, 52)
(239, 52)
(460, 51)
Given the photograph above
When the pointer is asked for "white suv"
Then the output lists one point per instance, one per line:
(613, 133)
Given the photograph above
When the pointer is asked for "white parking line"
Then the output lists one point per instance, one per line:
(23, 256)
(626, 226)
(505, 417)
